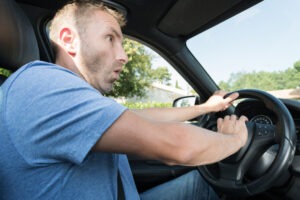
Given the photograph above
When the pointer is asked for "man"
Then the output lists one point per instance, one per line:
(62, 139)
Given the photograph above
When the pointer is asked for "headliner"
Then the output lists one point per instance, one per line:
(175, 18)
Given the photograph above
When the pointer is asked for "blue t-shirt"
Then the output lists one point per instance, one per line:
(49, 120)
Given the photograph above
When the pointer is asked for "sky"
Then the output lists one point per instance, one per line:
(265, 37)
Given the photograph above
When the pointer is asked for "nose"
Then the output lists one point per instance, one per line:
(122, 56)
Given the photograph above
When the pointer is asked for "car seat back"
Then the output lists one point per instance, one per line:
(18, 44)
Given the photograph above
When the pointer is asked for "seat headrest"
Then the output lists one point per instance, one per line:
(18, 44)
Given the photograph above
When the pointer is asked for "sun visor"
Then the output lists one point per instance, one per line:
(188, 17)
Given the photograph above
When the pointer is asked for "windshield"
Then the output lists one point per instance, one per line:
(258, 48)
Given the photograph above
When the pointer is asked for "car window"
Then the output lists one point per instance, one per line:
(165, 84)
(258, 48)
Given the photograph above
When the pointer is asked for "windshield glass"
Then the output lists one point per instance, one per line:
(258, 48)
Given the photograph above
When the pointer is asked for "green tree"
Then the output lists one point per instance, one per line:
(224, 86)
(278, 80)
(137, 74)
(162, 75)
(297, 65)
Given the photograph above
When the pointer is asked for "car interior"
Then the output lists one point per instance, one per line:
(267, 168)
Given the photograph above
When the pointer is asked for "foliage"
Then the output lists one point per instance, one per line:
(278, 80)
(5, 72)
(297, 65)
(137, 74)
(134, 77)
(141, 105)
(162, 75)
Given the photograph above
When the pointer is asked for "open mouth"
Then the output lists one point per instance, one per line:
(117, 73)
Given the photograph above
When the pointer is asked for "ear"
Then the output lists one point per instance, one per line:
(68, 41)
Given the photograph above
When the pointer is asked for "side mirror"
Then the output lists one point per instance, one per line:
(186, 101)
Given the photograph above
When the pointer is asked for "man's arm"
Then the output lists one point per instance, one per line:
(172, 142)
(215, 103)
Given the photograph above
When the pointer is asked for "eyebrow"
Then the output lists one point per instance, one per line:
(116, 33)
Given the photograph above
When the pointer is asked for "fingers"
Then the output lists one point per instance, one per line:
(243, 118)
(235, 126)
(232, 97)
(230, 121)
(234, 118)
(230, 117)
(219, 101)
(226, 101)
(219, 123)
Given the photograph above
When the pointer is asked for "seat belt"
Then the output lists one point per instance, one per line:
(121, 195)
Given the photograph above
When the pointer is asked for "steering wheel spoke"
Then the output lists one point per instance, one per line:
(264, 134)
(231, 172)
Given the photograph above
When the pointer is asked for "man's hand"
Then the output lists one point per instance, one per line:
(232, 125)
(217, 102)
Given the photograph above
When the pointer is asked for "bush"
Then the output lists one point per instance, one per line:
(141, 105)
(5, 72)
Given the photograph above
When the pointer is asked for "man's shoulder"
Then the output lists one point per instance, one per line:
(41, 82)
(42, 74)
(44, 67)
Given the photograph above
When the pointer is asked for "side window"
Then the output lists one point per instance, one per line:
(148, 80)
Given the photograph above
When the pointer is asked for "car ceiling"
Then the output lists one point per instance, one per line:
(175, 18)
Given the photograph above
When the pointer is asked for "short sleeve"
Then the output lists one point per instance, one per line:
(54, 116)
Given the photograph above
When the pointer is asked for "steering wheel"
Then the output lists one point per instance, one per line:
(229, 175)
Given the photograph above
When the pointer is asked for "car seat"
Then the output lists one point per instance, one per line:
(18, 44)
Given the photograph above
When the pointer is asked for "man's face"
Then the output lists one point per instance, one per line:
(101, 54)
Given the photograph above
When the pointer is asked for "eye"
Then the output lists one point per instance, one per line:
(110, 38)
